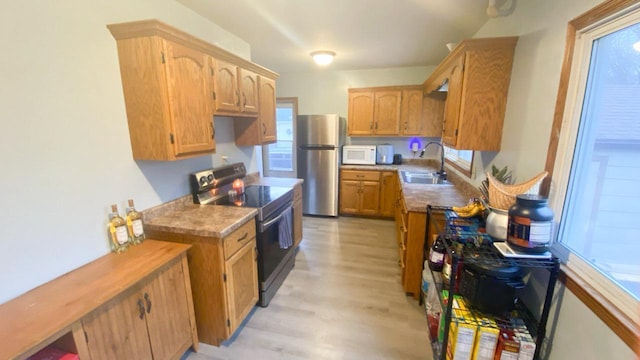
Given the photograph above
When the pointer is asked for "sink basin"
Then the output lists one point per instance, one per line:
(422, 177)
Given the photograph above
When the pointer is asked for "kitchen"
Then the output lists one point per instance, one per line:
(77, 136)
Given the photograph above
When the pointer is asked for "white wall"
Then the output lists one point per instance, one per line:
(64, 144)
(542, 27)
(325, 92)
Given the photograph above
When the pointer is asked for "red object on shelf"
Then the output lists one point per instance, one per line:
(52, 353)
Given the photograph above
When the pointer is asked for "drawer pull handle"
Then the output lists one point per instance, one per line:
(141, 308)
(243, 237)
(148, 301)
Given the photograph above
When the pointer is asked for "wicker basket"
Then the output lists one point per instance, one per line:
(503, 196)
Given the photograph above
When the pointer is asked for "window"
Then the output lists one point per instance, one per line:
(595, 188)
(278, 158)
(462, 160)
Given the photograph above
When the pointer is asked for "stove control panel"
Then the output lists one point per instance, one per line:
(205, 180)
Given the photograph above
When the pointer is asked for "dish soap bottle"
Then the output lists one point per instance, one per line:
(134, 224)
(118, 231)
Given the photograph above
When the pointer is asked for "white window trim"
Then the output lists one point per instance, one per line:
(566, 143)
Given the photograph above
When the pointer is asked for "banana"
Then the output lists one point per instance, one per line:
(475, 208)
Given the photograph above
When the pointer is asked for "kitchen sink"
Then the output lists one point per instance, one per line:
(422, 177)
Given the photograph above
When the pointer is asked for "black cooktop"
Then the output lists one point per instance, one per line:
(254, 196)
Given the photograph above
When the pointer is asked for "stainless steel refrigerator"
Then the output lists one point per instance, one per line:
(319, 139)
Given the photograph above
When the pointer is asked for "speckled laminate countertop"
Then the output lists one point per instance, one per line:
(184, 217)
(418, 196)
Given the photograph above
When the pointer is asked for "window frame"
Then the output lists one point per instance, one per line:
(580, 277)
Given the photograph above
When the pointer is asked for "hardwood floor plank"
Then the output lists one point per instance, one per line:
(342, 300)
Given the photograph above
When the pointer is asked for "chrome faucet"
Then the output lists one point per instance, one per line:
(441, 173)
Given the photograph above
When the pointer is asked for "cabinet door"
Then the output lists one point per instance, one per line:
(267, 110)
(452, 105)
(370, 197)
(242, 284)
(248, 92)
(387, 193)
(190, 98)
(412, 118)
(167, 312)
(349, 196)
(360, 120)
(118, 331)
(226, 87)
(433, 113)
(387, 112)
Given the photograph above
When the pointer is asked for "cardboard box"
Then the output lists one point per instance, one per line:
(508, 348)
(462, 335)
(527, 345)
(486, 337)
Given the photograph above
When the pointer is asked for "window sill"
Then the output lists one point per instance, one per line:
(620, 323)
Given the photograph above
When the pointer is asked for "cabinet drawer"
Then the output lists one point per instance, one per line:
(234, 241)
(360, 175)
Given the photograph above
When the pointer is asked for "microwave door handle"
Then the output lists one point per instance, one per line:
(268, 224)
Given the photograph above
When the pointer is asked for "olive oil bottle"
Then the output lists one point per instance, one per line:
(118, 231)
(134, 224)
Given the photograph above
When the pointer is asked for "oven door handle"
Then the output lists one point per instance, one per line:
(268, 224)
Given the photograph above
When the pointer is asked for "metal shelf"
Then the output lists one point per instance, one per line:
(486, 253)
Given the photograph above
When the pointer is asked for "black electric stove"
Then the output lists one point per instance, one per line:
(275, 212)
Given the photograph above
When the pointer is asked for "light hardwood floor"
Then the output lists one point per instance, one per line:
(342, 300)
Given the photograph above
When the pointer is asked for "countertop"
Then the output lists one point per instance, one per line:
(184, 217)
(418, 196)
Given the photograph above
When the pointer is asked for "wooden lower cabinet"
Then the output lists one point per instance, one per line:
(388, 180)
(297, 215)
(151, 321)
(224, 279)
(410, 235)
(367, 192)
(359, 197)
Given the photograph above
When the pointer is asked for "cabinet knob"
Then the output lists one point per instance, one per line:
(264, 129)
(213, 131)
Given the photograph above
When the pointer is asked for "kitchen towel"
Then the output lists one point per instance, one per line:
(285, 237)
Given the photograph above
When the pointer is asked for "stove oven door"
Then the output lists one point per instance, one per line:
(272, 257)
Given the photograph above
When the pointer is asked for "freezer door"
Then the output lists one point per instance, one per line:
(320, 130)
(319, 169)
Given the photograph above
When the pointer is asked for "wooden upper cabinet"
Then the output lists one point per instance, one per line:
(173, 86)
(236, 90)
(386, 111)
(267, 99)
(227, 93)
(248, 92)
(189, 75)
(477, 74)
(168, 98)
(260, 131)
(360, 113)
(412, 113)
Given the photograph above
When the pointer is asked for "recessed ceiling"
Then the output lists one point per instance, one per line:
(365, 34)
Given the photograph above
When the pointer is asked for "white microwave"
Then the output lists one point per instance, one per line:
(359, 154)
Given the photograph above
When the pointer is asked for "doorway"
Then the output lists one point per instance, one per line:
(279, 158)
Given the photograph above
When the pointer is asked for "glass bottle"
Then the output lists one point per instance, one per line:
(134, 224)
(118, 231)
(436, 254)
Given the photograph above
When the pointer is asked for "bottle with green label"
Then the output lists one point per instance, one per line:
(118, 233)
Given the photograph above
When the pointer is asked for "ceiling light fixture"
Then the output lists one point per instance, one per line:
(323, 57)
(506, 8)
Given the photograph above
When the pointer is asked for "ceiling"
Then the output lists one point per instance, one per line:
(365, 34)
